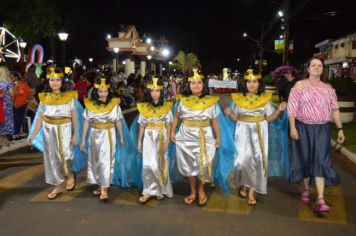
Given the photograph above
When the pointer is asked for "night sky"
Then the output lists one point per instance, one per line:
(213, 30)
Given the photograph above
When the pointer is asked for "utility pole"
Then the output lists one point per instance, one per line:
(286, 32)
(260, 45)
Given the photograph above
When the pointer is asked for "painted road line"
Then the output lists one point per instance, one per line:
(20, 177)
(337, 215)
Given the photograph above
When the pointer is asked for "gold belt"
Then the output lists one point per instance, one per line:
(252, 118)
(103, 125)
(57, 120)
(203, 151)
(196, 123)
(257, 120)
(156, 125)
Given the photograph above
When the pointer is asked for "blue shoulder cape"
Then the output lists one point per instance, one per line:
(278, 159)
(225, 155)
(80, 161)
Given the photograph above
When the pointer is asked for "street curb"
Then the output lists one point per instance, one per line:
(23, 143)
(346, 152)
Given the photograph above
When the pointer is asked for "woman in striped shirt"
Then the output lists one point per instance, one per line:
(312, 105)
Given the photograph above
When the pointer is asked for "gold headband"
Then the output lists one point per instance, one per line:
(52, 74)
(251, 76)
(196, 75)
(102, 84)
(154, 84)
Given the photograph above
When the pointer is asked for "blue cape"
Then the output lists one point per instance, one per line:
(80, 161)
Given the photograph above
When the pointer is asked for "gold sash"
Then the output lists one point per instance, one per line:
(203, 152)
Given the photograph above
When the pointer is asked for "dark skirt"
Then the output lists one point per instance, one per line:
(311, 154)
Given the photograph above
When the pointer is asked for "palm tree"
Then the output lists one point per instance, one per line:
(185, 62)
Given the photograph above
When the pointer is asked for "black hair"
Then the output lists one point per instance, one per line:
(64, 86)
(95, 95)
(148, 97)
(187, 91)
(261, 85)
(16, 74)
(322, 76)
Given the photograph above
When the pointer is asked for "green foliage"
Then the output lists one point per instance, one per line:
(185, 62)
(343, 86)
(267, 79)
(30, 20)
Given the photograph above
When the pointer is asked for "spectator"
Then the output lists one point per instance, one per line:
(7, 127)
(21, 92)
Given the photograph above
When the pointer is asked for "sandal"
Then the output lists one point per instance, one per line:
(203, 202)
(71, 187)
(97, 192)
(321, 207)
(305, 196)
(251, 202)
(104, 197)
(189, 200)
(243, 191)
(54, 194)
(160, 197)
(144, 199)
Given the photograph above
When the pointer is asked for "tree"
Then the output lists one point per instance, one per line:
(31, 20)
(185, 62)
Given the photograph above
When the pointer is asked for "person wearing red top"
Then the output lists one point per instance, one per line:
(82, 88)
(21, 94)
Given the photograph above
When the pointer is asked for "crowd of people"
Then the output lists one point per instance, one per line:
(19, 94)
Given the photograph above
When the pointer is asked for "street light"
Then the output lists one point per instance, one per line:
(63, 37)
(108, 36)
(149, 57)
(23, 45)
(91, 62)
(260, 48)
(165, 52)
(152, 48)
(280, 13)
(116, 51)
(148, 40)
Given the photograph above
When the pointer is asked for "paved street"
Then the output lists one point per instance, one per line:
(25, 210)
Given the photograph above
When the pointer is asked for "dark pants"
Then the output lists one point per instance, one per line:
(19, 115)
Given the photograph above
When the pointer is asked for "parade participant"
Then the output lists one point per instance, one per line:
(155, 120)
(196, 142)
(312, 105)
(104, 114)
(252, 110)
(6, 92)
(56, 124)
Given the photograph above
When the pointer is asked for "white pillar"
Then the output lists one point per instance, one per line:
(129, 67)
(160, 69)
(114, 65)
(143, 68)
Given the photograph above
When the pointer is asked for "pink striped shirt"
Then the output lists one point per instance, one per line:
(312, 104)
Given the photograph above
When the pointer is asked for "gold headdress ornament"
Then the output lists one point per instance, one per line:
(52, 74)
(102, 84)
(154, 84)
(196, 75)
(249, 75)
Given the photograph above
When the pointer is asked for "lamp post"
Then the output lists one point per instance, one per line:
(149, 57)
(260, 48)
(116, 51)
(23, 45)
(63, 37)
(91, 62)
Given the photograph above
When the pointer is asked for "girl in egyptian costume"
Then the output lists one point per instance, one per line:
(55, 133)
(151, 130)
(102, 116)
(251, 111)
(199, 121)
